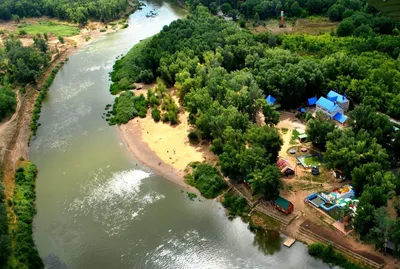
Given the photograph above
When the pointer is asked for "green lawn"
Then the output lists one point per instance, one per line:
(50, 27)
(312, 161)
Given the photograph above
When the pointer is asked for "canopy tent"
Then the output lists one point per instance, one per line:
(312, 101)
(270, 100)
(340, 118)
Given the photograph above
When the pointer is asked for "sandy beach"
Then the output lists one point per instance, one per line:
(164, 148)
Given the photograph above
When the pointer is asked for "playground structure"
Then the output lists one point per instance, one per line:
(340, 198)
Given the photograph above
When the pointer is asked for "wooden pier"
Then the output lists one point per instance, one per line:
(289, 242)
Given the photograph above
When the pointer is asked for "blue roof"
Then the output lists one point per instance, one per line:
(312, 101)
(326, 104)
(334, 96)
(270, 100)
(340, 117)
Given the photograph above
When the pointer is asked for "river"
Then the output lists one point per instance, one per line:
(98, 207)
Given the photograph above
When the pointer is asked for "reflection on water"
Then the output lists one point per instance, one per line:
(268, 241)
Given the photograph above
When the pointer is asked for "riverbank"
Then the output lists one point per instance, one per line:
(163, 147)
(15, 134)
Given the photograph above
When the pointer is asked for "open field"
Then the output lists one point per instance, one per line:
(314, 25)
(312, 161)
(50, 27)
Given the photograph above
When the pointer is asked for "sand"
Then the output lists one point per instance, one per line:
(164, 148)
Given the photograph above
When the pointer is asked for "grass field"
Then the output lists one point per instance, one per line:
(50, 27)
(312, 160)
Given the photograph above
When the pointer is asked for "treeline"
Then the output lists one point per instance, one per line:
(4, 236)
(364, 67)
(17, 248)
(23, 251)
(37, 108)
(77, 11)
(19, 65)
(358, 16)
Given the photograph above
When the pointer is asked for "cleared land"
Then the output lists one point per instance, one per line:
(311, 25)
(50, 27)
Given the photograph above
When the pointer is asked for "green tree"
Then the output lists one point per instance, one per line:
(266, 182)
(376, 124)
(318, 129)
(383, 226)
(225, 8)
(346, 27)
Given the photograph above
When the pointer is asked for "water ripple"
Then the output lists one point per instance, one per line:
(116, 201)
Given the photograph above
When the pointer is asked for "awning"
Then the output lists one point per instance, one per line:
(340, 118)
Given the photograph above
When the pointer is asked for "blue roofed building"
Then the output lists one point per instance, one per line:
(340, 100)
(312, 101)
(340, 118)
(270, 100)
(328, 107)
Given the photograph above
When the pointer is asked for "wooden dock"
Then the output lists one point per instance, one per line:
(289, 242)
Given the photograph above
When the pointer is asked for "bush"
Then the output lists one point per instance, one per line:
(24, 250)
(236, 204)
(346, 27)
(4, 237)
(128, 106)
(145, 76)
(22, 32)
(156, 114)
(61, 39)
(208, 180)
(330, 256)
(193, 137)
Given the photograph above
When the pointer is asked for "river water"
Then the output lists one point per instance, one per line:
(99, 208)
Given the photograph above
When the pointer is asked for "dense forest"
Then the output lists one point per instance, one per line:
(222, 74)
(19, 65)
(77, 11)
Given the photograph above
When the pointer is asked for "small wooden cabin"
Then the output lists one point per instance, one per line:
(284, 205)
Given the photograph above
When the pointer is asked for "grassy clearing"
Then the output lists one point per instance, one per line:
(50, 27)
(312, 161)
(314, 25)
(295, 135)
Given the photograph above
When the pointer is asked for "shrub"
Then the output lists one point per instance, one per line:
(145, 76)
(236, 204)
(328, 255)
(24, 250)
(61, 39)
(22, 32)
(193, 137)
(102, 30)
(156, 114)
(208, 180)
